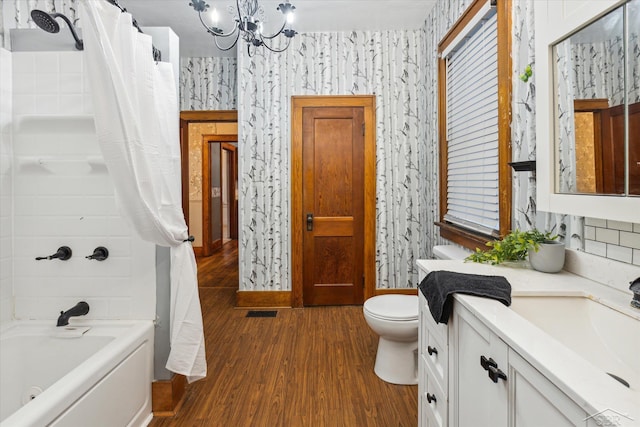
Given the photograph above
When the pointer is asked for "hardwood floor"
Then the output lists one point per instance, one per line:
(305, 367)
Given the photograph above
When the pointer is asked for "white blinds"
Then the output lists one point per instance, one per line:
(472, 129)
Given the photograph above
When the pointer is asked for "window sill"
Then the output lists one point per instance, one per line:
(464, 237)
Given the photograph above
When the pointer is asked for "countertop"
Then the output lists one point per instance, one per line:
(590, 387)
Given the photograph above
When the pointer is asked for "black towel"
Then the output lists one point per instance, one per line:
(439, 286)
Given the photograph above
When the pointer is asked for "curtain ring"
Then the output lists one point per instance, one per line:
(189, 239)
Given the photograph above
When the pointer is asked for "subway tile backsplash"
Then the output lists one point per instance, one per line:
(613, 239)
(63, 195)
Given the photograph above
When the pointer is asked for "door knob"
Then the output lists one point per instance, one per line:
(309, 222)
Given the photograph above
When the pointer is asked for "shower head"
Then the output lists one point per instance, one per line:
(47, 21)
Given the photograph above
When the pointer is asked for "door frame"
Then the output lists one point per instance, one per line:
(187, 117)
(202, 116)
(298, 103)
(208, 246)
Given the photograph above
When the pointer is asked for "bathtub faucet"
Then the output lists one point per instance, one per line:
(80, 309)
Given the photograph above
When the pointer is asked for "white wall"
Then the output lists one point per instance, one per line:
(6, 204)
(63, 196)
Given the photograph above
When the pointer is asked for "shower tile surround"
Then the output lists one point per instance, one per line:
(62, 195)
(6, 199)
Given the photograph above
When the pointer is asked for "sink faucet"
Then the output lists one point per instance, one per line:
(635, 288)
(80, 309)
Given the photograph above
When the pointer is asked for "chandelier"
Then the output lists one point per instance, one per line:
(248, 25)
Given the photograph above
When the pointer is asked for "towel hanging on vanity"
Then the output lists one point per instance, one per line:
(439, 286)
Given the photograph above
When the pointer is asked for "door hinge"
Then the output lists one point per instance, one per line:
(363, 129)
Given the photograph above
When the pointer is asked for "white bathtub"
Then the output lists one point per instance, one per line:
(101, 378)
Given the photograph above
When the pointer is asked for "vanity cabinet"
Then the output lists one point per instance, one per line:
(468, 376)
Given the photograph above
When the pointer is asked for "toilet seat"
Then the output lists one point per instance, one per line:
(396, 308)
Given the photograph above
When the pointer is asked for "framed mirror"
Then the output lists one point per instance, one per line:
(596, 100)
(588, 108)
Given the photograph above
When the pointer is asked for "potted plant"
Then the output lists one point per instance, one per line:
(545, 253)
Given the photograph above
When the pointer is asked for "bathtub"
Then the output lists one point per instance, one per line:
(68, 377)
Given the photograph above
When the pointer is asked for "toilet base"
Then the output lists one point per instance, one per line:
(397, 362)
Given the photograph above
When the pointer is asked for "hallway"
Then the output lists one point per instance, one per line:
(305, 367)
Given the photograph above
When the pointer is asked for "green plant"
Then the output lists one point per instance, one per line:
(513, 247)
(528, 72)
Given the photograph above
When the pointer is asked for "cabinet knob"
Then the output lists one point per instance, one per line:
(431, 398)
(432, 350)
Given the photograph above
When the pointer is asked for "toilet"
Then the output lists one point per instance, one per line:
(395, 319)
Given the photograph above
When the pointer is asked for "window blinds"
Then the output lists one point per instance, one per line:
(472, 129)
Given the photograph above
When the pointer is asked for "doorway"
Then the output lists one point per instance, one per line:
(333, 200)
(220, 204)
(200, 131)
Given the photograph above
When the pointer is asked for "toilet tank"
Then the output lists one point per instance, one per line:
(450, 252)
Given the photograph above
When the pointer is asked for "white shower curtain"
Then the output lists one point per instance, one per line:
(137, 123)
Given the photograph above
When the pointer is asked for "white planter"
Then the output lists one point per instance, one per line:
(549, 258)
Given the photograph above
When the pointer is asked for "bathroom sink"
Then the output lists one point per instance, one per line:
(608, 338)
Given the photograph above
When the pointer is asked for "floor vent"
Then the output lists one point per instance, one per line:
(262, 313)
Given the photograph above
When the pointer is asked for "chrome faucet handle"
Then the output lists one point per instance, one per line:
(635, 288)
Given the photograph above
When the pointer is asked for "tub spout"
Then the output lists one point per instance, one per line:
(80, 309)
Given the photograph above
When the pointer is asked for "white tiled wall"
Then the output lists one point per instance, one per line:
(63, 196)
(613, 239)
(6, 206)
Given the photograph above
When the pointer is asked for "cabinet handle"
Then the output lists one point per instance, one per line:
(432, 350)
(486, 363)
(431, 398)
(495, 374)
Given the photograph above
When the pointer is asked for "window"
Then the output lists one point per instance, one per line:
(474, 125)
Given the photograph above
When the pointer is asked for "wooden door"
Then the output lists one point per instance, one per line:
(232, 184)
(333, 205)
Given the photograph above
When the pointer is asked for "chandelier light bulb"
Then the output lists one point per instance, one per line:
(214, 17)
(290, 17)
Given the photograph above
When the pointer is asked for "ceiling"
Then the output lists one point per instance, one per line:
(310, 16)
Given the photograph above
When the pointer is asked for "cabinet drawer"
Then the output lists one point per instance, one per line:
(432, 401)
(437, 361)
(438, 329)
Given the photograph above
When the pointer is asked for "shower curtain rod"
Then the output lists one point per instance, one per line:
(157, 54)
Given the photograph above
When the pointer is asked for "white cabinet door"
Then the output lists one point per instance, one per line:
(536, 401)
(476, 400)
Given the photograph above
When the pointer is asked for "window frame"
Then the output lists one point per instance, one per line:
(463, 236)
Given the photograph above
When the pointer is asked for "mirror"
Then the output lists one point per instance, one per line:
(597, 97)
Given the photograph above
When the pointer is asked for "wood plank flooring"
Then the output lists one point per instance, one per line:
(305, 367)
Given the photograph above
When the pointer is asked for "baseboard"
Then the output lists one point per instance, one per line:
(263, 299)
(167, 396)
(399, 291)
(279, 299)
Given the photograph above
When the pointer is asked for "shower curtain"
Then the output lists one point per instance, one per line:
(137, 123)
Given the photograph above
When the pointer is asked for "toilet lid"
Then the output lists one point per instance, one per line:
(393, 307)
